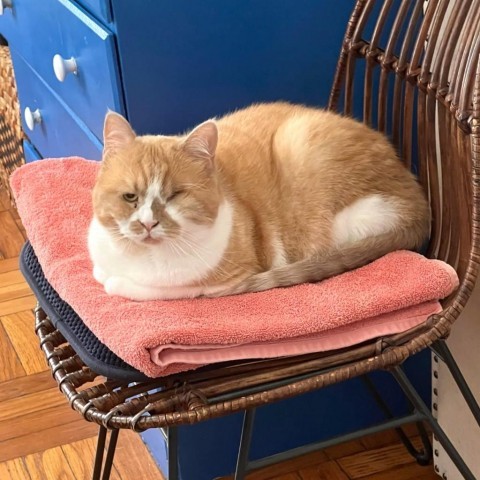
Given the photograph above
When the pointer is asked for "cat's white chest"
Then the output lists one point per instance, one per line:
(165, 266)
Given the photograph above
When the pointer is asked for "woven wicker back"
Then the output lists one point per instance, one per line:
(11, 135)
(409, 68)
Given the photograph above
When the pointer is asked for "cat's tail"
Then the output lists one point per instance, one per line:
(328, 264)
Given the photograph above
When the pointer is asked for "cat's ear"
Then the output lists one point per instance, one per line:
(201, 143)
(117, 133)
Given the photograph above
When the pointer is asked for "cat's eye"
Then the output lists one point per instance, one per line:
(174, 194)
(130, 197)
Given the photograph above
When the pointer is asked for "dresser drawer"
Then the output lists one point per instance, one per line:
(30, 152)
(59, 27)
(58, 132)
(100, 8)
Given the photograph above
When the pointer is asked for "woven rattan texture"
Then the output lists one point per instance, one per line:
(11, 134)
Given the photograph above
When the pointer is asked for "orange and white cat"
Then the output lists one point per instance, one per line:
(269, 196)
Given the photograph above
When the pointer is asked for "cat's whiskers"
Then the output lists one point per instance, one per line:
(193, 251)
(126, 244)
(188, 236)
(177, 249)
(198, 186)
(197, 250)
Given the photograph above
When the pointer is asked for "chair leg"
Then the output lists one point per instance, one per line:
(172, 441)
(97, 466)
(421, 407)
(441, 349)
(107, 466)
(112, 445)
(422, 457)
(245, 442)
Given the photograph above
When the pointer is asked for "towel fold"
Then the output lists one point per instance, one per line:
(387, 296)
(351, 334)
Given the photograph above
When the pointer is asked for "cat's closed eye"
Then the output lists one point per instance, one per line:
(174, 194)
(130, 197)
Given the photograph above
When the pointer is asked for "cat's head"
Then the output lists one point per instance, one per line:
(155, 188)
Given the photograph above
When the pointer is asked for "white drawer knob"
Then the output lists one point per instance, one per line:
(5, 4)
(31, 118)
(63, 66)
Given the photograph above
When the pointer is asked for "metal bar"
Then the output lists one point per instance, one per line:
(426, 458)
(419, 404)
(312, 447)
(270, 385)
(97, 466)
(422, 457)
(112, 444)
(245, 442)
(172, 440)
(445, 354)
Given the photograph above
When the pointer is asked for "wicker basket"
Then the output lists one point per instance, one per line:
(11, 134)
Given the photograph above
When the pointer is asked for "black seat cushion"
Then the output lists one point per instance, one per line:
(89, 348)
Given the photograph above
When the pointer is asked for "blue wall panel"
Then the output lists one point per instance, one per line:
(201, 59)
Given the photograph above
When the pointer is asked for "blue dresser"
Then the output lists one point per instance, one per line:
(165, 65)
(168, 65)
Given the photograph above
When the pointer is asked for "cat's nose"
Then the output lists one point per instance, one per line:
(149, 225)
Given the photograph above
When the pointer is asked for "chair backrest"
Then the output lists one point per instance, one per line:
(411, 69)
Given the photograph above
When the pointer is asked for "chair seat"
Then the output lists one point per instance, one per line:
(77, 357)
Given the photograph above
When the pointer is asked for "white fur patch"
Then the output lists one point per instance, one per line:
(292, 137)
(145, 212)
(367, 217)
(163, 271)
(279, 258)
(175, 215)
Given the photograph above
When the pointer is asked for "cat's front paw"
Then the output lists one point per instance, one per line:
(124, 287)
(99, 275)
(117, 286)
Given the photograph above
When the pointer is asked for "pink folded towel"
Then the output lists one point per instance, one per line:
(388, 296)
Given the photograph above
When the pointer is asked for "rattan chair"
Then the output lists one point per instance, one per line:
(413, 70)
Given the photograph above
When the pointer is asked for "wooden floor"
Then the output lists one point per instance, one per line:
(41, 438)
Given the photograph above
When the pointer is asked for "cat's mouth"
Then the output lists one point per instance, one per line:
(151, 241)
(145, 239)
